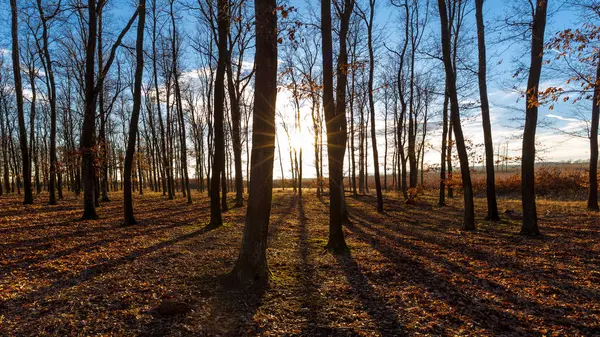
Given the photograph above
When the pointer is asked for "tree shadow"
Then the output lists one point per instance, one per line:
(231, 310)
(9, 305)
(384, 317)
(311, 303)
(478, 309)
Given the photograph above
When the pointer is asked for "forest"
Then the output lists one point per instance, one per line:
(299, 168)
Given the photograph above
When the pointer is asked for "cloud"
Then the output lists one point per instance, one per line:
(563, 118)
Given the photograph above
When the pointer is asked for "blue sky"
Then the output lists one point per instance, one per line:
(507, 107)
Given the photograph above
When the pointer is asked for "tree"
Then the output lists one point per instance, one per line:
(91, 89)
(530, 226)
(469, 217)
(239, 40)
(48, 67)
(216, 219)
(28, 192)
(335, 117)
(578, 60)
(369, 22)
(485, 116)
(251, 266)
(176, 73)
(129, 218)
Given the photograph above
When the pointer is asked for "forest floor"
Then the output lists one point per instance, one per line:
(409, 271)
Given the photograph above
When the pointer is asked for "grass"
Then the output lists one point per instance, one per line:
(409, 270)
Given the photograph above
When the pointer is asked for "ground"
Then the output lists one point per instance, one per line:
(409, 271)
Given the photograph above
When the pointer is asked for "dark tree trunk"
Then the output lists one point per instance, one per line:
(449, 144)
(28, 192)
(218, 169)
(442, 199)
(251, 266)
(236, 139)
(592, 203)
(485, 116)
(335, 119)
(530, 226)
(89, 118)
(52, 101)
(166, 181)
(372, 107)
(102, 141)
(184, 167)
(469, 218)
(129, 218)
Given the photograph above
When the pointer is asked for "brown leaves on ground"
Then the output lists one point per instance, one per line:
(409, 271)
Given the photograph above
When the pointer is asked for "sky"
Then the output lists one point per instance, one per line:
(507, 107)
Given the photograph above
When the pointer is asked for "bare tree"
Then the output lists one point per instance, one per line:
(28, 192)
(129, 218)
(216, 219)
(335, 117)
(485, 116)
(251, 266)
(469, 218)
(530, 226)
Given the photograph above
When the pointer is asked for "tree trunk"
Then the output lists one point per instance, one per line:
(236, 121)
(530, 226)
(469, 217)
(372, 107)
(251, 266)
(485, 116)
(129, 218)
(182, 137)
(442, 199)
(335, 118)
(89, 118)
(216, 219)
(28, 193)
(592, 203)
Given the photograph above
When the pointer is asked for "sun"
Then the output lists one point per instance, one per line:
(301, 139)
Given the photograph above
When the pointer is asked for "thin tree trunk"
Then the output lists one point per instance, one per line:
(469, 215)
(372, 107)
(335, 118)
(442, 199)
(129, 218)
(485, 116)
(216, 219)
(28, 193)
(592, 203)
(530, 226)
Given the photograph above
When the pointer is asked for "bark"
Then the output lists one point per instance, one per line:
(166, 181)
(442, 199)
(236, 121)
(28, 192)
(372, 107)
(102, 141)
(216, 219)
(4, 126)
(88, 129)
(129, 218)
(592, 203)
(335, 118)
(485, 116)
(183, 138)
(52, 101)
(251, 266)
(530, 226)
(469, 214)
